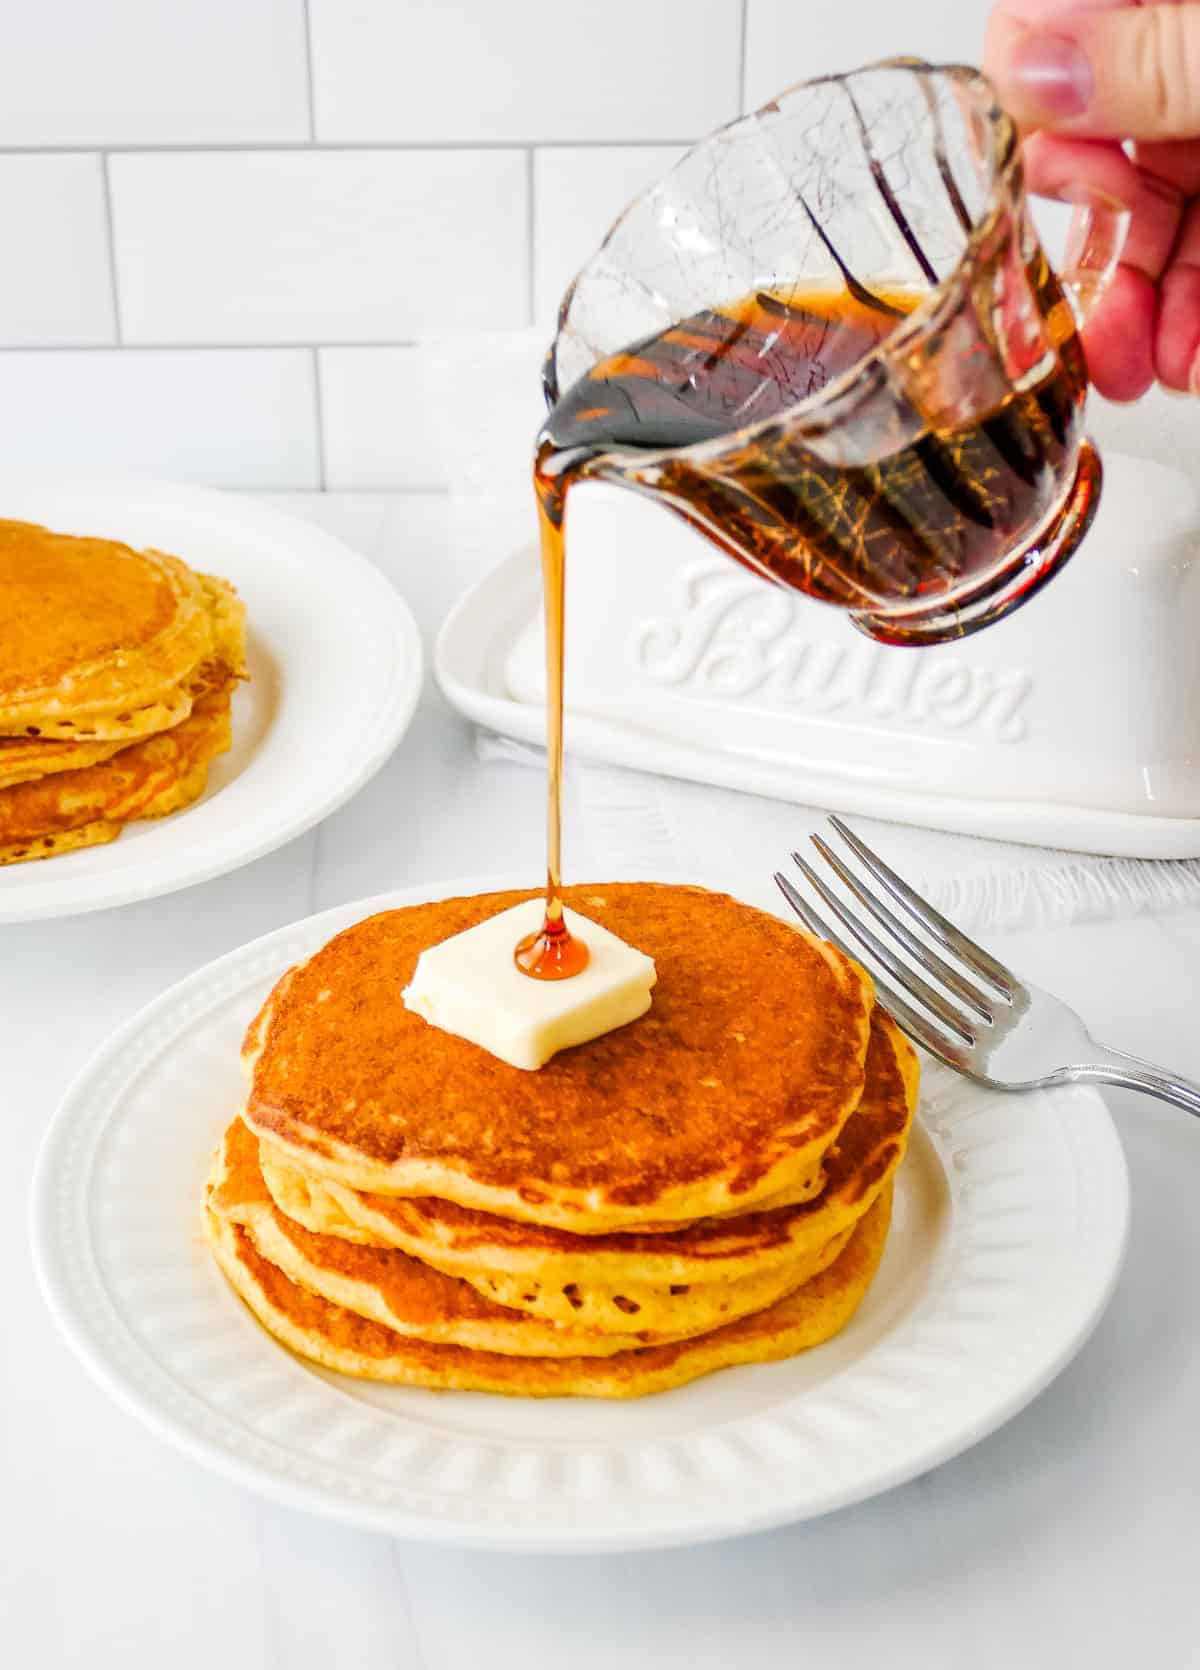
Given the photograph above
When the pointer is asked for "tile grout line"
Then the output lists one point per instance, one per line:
(319, 404)
(741, 57)
(530, 233)
(232, 147)
(308, 67)
(112, 255)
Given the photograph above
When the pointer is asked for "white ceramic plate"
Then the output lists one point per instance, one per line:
(1009, 1227)
(336, 666)
(480, 634)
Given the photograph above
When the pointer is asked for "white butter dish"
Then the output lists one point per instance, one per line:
(1075, 722)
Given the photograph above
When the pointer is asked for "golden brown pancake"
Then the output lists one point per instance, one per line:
(385, 1285)
(95, 637)
(96, 834)
(388, 1286)
(24, 759)
(226, 663)
(147, 779)
(730, 1089)
(339, 1339)
(312, 1200)
(629, 1281)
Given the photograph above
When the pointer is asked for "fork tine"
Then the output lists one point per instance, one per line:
(906, 1017)
(934, 923)
(928, 958)
(908, 978)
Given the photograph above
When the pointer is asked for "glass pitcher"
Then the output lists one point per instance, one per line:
(830, 339)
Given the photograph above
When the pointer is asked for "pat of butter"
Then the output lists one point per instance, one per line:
(470, 985)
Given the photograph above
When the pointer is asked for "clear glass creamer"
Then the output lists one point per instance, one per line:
(830, 339)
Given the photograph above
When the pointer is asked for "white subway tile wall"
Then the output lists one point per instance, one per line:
(54, 278)
(524, 71)
(154, 72)
(787, 40)
(239, 418)
(230, 223)
(319, 246)
(577, 194)
(377, 434)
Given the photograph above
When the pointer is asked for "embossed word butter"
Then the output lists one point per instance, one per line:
(469, 985)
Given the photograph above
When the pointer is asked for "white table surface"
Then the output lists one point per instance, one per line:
(1068, 1537)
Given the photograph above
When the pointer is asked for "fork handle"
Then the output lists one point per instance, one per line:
(1127, 1072)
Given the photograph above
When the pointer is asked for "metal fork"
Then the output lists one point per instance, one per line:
(980, 1018)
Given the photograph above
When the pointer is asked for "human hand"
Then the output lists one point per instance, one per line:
(1081, 76)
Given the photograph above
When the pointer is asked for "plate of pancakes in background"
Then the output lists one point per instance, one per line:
(740, 1262)
(187, 681)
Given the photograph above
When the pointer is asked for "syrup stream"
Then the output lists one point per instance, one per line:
(553, 953)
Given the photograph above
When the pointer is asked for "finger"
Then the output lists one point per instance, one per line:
(1010, 21)
(1175, 161)
(1098, 174)
(1128, 72)
(1177, 339)
(1119, 337)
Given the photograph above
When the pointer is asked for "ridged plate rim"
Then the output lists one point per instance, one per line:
(1021, 1282)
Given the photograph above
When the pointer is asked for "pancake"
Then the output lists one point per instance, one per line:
(629, 1281)
(225, 665)
(95, 637)
(25, 759)
(400, 1292)
(147, 779)
(183, 793)
(414, 1299)
(96, 834)
(729, 1090)
(313, 1201)
(339, 1339)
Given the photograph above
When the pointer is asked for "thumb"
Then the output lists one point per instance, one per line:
(1123, 72)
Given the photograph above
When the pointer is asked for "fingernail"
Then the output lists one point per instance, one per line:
(1054, 76)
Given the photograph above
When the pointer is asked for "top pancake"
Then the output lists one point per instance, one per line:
(464, 1242)
(733, 1086)
(95, 638)
(628, 1282)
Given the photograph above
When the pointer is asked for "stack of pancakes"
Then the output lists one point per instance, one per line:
(709, 1185)
(116, 669)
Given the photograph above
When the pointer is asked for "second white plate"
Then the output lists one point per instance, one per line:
(336, 668)
(1010, 1222)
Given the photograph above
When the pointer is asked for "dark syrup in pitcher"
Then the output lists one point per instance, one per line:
(920, 522)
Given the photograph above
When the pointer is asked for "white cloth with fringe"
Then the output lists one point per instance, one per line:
(624, 820)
